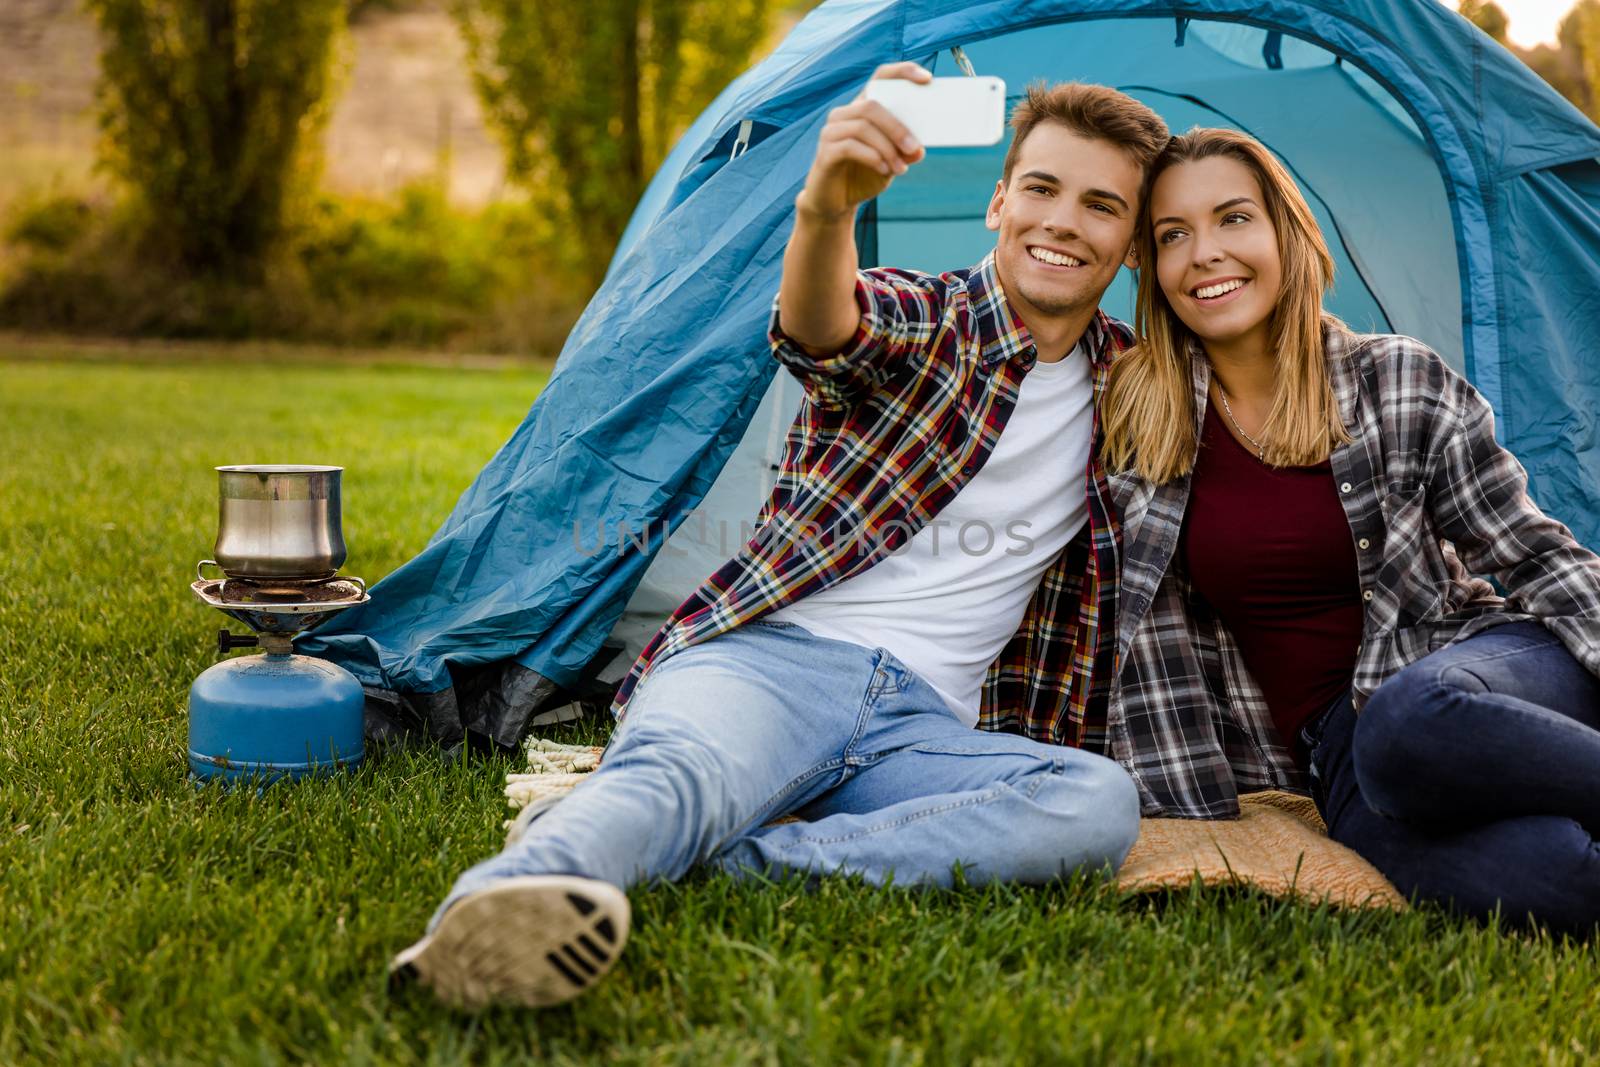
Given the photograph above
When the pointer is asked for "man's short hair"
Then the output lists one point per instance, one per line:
(1090, 111)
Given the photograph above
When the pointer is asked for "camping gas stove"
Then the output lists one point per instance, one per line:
(277, 714)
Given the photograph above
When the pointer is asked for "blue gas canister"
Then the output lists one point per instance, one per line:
(272, 716)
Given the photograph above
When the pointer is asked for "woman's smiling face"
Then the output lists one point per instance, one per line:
(1217, 257)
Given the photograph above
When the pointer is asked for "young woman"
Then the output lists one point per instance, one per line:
(1304, 508)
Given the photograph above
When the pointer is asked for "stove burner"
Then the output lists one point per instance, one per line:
(277, 606)
(279, 591)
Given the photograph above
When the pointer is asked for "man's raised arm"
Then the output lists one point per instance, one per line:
(861, 150)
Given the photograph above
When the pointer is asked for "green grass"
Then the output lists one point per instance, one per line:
(143, 920)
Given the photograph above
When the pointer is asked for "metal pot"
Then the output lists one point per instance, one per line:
(279, 521)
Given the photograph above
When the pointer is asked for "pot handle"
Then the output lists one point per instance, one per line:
(361, 582)
(200, 569)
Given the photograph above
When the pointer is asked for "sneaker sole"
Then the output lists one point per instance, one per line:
(532, 941)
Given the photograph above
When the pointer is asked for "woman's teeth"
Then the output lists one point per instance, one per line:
(1207, 292)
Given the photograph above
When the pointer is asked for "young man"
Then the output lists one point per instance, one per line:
(937, 550)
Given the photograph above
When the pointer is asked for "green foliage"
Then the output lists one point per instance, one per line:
(406, 271)
(210, 110)
(588, 98)
(1579, 34)
(146, 921)
(1572, 66)
(362, 9)
(434, 270)
(49, 223)
(361, 250)
(1487, 16)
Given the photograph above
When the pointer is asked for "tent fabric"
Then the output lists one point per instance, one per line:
(1460, 194)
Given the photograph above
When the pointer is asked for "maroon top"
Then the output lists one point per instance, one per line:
(1270, 550)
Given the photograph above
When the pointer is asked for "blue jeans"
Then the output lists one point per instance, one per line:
(770, 720)
(1472, 778)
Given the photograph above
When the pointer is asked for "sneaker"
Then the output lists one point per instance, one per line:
(533, 941)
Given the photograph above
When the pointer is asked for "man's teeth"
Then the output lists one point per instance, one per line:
(1044, 255)
(1206, 292)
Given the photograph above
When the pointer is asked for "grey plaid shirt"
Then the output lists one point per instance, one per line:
(1431, 500)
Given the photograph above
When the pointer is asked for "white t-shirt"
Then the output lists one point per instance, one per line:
(947, 601)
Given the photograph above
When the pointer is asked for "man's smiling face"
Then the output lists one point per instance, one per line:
(1065, 220)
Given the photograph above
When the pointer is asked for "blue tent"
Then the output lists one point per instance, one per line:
(1460, 194)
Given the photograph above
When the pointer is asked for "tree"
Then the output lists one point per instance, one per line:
(588, 97)
(1579, 35)
(209, 109)
(1572, 67)
(1487, 16)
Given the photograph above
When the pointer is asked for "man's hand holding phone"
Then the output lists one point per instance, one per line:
(863, 147)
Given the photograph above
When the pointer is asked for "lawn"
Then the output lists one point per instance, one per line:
(143, 920)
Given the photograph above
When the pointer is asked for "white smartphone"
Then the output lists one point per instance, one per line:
(946, 112)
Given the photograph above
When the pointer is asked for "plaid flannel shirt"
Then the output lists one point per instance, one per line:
(890, 429)
(1431, 499)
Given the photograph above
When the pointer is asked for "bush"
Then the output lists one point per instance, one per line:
(411, 271)
(355, 250)
(416, 271)
(49, 224)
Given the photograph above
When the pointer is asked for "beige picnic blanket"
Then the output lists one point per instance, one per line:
(1277, 845)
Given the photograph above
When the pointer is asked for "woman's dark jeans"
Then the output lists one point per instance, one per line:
(1472, 778)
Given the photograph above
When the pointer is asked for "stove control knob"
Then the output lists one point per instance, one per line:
(227, 642)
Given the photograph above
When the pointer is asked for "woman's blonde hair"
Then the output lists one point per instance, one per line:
(1149, 408)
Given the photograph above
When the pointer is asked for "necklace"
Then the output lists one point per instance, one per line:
(1261, 453)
